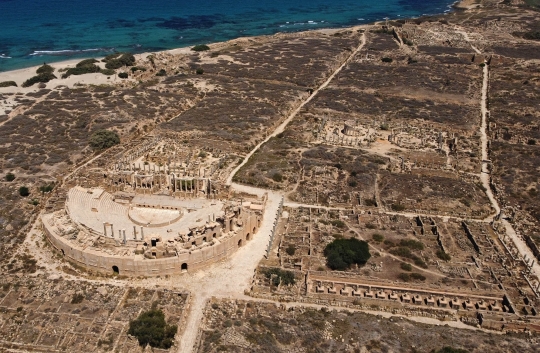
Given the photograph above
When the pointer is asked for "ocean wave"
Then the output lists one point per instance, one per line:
(68, 52)
(2, 56)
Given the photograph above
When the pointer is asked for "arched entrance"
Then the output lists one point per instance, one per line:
(240, 243)
(116, 270)
(247, 236)
(184, 267)
(63, 253)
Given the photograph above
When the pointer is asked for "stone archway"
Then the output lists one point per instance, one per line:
(116, 270)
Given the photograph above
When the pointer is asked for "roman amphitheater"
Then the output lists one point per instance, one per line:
(156, 210)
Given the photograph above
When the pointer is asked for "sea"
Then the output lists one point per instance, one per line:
(36, 31)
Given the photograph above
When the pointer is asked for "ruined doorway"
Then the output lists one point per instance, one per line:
(240, 243)
(116, 270)
(184, 267)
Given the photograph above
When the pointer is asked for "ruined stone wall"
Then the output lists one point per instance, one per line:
(137, 266)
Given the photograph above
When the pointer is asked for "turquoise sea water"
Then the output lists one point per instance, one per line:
(37, 31)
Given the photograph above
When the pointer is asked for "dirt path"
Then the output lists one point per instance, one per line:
(281, 127)
(518, 241)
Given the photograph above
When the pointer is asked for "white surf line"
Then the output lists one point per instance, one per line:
(281, 127)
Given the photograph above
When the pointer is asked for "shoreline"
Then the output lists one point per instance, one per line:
(21, 75)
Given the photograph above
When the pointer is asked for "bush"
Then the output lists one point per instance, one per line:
(118, 60)
(342, 253)
(411, 244)
(162, 72)
(531, 142)
(443, 256)
(338, 223)
(405, 266)
(10, 177)
(281, 276)
(291, 249)
(103, 139)
(107, 72)
(404, 277)
(86, 62)
(77, 299)
(8, 84)
(46, 188)
(417, 276)
(277, 177)
(23, 191)
(151, 329)
(378, 237)
(45, 69)
(137, 68)
(387, 60)
(532, 35)
(81, 70)
(398, 207)
(44, 78)
(451, 350)
(123, 75)
(199, 71)
(201, 47)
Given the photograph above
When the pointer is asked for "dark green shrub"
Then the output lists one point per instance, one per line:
(201, 47)
(137, 68)
(46, 188)
(417, 276)
(338, 223)
(103, 139)
(162, 72)
(45, 77)
(8, 84)
(123, 75)
(151, 329)
(531, 142)
(10, 176)
(45, 69)
(443, 256)
(118, 60)
(77, 298)
(23, 191)
(377, 237)
(342, 253)
(411, 244)
(81, 70)
(398, 207)
(277, 177)
(86, 62)
(451, 350)
(281, 276)
(199, 71)
(353, 183)
(532, 35)
(405, 277)
(291, 250)
(405, 266)
(107, 72)
(387, 60)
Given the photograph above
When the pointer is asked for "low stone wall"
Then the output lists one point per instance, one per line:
(139, 266)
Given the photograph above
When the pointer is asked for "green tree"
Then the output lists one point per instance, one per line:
(23, 191)
(342, 253)
(10, 176)
(201, 47)
(150, 328)
(102, 139)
